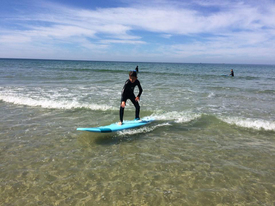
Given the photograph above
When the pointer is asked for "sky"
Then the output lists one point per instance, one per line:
(183, 31)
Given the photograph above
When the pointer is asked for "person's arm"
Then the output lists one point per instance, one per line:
(123, 92)
(140, 91)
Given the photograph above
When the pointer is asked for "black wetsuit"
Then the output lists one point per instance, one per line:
(128, 93)
(232, 73)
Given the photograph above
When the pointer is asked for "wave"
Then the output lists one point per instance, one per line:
(257, 124)
(265, 91)
(189, 116)
(178, 117)
(147, 70)
(145, 129)
(95, 70)
(162, 116)
(185, 117)
(53, 104)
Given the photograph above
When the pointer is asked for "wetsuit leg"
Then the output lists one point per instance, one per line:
(121, 113)
(136, 104)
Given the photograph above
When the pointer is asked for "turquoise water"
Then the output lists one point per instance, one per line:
(212, 142)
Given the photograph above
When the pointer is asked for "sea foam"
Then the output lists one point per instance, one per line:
(257, 124)
(178, 117)
(53, 104)
(145, 129)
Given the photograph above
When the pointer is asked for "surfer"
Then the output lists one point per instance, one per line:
(137, 69)
(128, 93)
(232, 73)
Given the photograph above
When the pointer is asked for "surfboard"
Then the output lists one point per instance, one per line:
(115, 127)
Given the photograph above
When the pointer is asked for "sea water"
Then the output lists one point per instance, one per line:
(213, 141)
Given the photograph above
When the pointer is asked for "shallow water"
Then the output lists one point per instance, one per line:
(212, 143)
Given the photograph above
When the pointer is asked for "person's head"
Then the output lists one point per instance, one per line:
(133, 76)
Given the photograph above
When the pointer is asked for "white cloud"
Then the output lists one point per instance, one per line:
(122, 41)
(14, 38)
(167, 36)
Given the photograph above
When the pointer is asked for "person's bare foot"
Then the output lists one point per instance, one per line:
(120, 123)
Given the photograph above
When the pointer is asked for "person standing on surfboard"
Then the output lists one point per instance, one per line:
(128, 93)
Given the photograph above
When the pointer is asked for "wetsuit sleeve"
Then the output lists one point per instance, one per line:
(123, 93)
(140, 89)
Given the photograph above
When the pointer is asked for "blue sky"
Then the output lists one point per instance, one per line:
(199, 31)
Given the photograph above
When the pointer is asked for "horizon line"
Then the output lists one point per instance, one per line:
(123, 61)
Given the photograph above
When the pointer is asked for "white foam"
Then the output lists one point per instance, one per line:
(53, 104)
(257, 124)
(211, 95)
(145, 129)
(178, 117)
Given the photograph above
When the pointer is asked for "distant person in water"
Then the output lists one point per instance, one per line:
(137, 69)
(128, 93)
(232, 73)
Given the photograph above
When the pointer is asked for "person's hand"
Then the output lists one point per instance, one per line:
(123, 104)
(137, 99)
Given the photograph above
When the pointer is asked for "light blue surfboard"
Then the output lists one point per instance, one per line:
(116, 127)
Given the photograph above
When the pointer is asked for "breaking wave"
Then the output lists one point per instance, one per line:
(175, 116)
(53, 104)
(257, 124)
(178, 117)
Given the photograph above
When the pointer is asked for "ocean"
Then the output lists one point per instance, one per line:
(213, 141)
